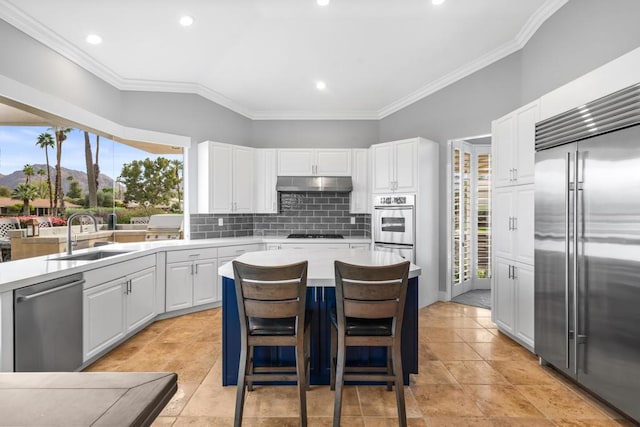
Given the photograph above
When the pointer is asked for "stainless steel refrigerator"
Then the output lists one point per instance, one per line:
(587, 246)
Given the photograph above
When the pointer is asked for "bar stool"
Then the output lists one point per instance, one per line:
(271, 304)
(369, 312)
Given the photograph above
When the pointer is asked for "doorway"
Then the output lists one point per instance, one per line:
(469, 202)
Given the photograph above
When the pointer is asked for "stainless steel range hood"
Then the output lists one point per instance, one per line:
(297, 184)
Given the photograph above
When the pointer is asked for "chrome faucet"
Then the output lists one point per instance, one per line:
(70, 244)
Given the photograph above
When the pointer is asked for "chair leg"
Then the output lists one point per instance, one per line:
(301, 363)
(340, 361)
(307, 356)
(242, 366)
(389, 366)
(334, 338)
(399, 380)
(250, 368)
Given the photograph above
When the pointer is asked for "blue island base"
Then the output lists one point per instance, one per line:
(320, 300)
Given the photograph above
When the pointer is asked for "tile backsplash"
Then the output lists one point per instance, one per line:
(311, 212)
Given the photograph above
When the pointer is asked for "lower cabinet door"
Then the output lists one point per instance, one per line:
(103, 317)
(205, 282)
(179, 286)
(503, 287)
(524, 303)
(141, 299)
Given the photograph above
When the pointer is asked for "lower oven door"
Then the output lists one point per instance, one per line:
(404, 251)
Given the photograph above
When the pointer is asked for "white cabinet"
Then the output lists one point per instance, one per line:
(191, 278)
(115, 308)
(265, 177)
(513, 146)
(360, 197)
(513, 223)
(307, 162)
(225, 178)
(514, 300)
(395, 166)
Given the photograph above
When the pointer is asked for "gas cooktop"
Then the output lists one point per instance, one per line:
(315, 236)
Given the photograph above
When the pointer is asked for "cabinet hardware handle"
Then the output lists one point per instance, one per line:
(515, 222)
(196, 268)
(509, 273)
(515, 174)
(192, 269)
(194, 255)
(514, 276)
(240, 251)
(48, 291)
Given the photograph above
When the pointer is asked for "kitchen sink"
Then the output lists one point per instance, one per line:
(89, 256)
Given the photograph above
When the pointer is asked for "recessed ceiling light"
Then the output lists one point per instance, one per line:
(437, 2)
(321, 85)
(323, 2)
(186, 21)
(94, 39)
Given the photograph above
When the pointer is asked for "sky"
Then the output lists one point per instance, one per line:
(18, 147)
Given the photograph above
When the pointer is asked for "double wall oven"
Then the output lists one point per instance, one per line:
(394, 225)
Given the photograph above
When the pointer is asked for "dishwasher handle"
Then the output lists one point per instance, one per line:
(23, 298)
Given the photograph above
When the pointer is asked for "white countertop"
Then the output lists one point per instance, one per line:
(321, 269)
(26, 272)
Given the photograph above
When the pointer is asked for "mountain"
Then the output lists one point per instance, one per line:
(17, 177)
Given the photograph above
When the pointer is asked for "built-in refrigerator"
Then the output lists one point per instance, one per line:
(587, 246)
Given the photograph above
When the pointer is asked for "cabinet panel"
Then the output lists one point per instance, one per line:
(524, 303)
(221, 175)
(526, 119)
(141, 299)
(502, 148)
(382, 163)
(242, 179)
(179, 292)
(406, 171)
(360, 199)
(504, 296)
(333, 162)
(103, 317)
(205, 282)
(265, 176)
(501, 222)
(524, 224)
(292, 162)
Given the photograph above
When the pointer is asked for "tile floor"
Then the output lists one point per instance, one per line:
(470, 375)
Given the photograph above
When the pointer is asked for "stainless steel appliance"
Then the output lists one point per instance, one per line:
(164, 227)
(394, 225)
(48, 326)
(587, 246)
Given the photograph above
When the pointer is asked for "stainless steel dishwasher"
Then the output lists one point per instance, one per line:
(48, 326)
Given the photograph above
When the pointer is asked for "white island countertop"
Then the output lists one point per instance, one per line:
(321, 268)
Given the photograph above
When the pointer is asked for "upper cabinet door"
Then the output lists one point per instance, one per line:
(294, 162)
(503, 150)
(242, 179)
(221, 178)
(526, 118)
(333, 163)
(265, 196)
(383, 170)
(406, 166)
(360, 170)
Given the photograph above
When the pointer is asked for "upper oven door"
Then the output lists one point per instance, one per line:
(393, 225)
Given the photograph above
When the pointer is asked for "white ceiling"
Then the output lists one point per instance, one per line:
(262, 58)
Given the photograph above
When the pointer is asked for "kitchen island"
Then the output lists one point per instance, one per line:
(320, 300)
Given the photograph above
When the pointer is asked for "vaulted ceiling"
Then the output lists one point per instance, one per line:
(263, 58)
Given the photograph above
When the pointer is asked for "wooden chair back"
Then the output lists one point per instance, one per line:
(371, 292)
(271, 292)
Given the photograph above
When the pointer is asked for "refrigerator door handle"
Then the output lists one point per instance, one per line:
(567, 259)
(576, 217)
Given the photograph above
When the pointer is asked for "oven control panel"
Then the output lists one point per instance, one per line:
(395, 200)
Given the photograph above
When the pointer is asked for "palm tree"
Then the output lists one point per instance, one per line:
(25, 192)
(91, 170)
(60, 136)
(46, 141)
(41, 173)
(28, 172)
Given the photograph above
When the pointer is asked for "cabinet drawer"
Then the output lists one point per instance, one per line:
(115, 271)
(192, 254)
(234, 251)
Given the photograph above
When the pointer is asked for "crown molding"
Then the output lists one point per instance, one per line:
(528, 30)
(40, 32)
